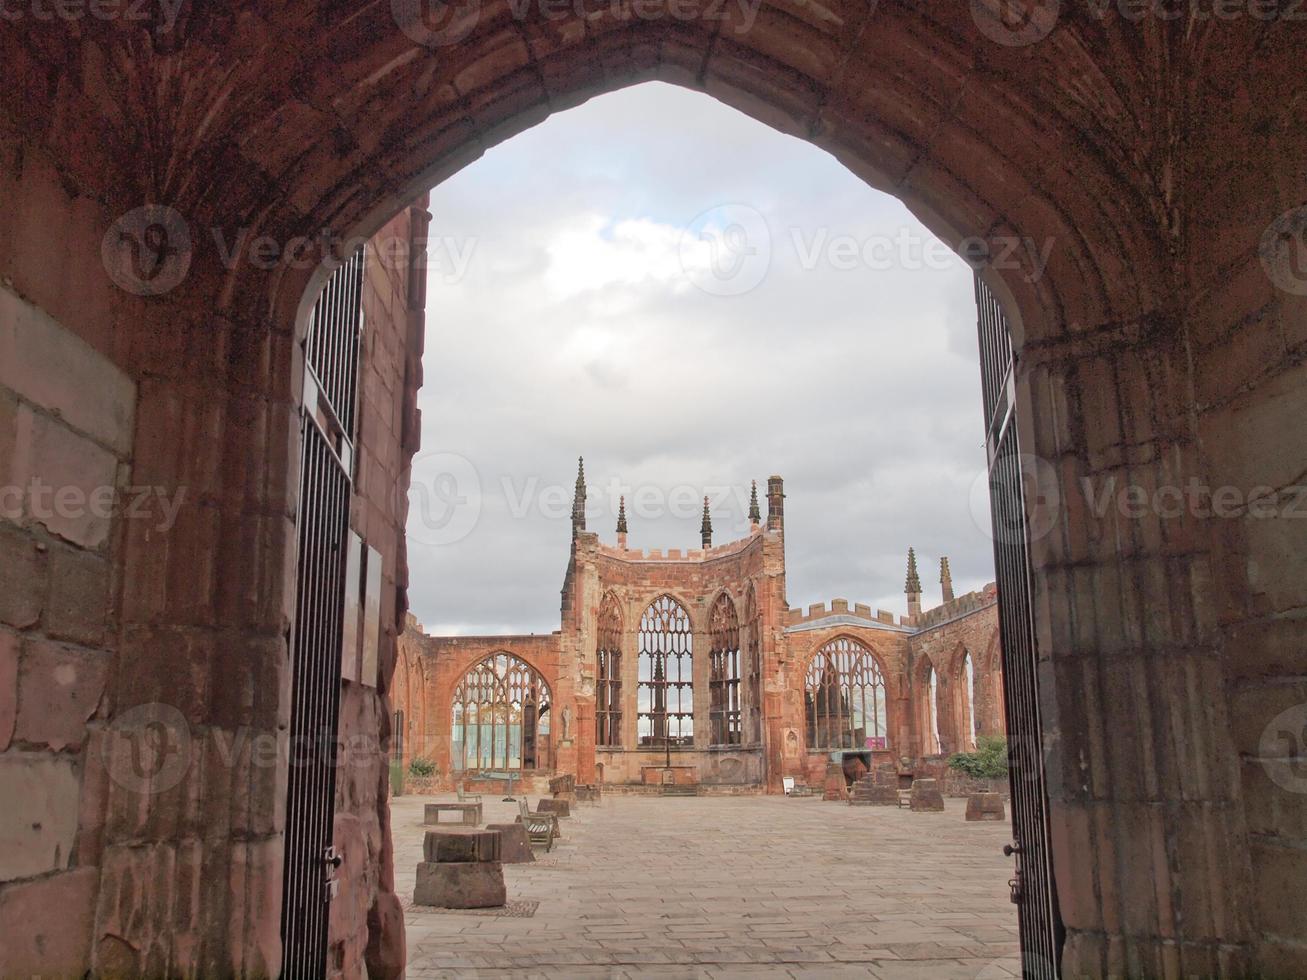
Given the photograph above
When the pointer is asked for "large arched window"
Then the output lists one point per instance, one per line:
(753, 661)
(608, 692)
(724, 672)
(845, 698)
(665, 695)
(933, 743)
(501, 717)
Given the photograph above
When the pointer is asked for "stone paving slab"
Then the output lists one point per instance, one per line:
(703, 887)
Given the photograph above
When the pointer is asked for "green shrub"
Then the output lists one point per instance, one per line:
(989, 761)
(422, 767)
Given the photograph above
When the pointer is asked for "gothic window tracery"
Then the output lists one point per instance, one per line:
(724, 672)
(845, 697)
(608, 691)
(665, 692)
(501, 717)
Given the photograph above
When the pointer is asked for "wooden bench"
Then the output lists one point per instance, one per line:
(468, 797)
(469, 813)
(542, 828)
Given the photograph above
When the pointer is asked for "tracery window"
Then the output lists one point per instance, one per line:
(845, 697)
(501, 717)
(753, 660)
(665, 693)
(724, 672)
(608, 692)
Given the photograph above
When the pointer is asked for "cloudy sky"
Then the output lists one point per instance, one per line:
(691, 301)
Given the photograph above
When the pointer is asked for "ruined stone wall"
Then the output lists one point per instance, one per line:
(968, 626)
(437, 663)
(66, 495)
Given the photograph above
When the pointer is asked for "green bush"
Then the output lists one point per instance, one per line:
(422, 767)
(989, 761)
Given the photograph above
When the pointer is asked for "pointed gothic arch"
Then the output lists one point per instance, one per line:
(500, 717)
(608, 674)
(724, 716)
(665, 691)
(844, 697)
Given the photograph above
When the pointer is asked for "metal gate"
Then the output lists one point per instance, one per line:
(1009, 473)
(327, 427)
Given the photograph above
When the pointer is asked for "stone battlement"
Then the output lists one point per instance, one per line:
(677, 554)
(839, 607)
(960, 606)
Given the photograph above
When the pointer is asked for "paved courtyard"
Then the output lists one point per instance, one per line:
(721, 886)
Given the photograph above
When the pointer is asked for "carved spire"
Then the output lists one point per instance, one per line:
(755, 514)
(913, 586)
(945, 580)
(705, 529)
(621, 522)
(578, 498)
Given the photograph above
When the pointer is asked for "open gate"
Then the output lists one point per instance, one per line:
(327, 427)
(1009, 477)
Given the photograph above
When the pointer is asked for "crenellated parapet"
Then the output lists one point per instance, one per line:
(963, 605)
(859, 614)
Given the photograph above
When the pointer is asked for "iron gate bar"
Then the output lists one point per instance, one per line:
(327, 435)
(1039, 921)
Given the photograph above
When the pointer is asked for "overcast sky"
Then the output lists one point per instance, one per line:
(690, 300)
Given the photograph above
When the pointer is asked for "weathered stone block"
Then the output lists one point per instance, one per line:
(77, 605)
(477, 885)
(460, 846)
(71, 482)
(985, 806)
(22, 578)
(38, 821)
(469, 814)
(926, 796)
(59, 689)
(47, 925)
(514, 844)
(9, 647)
(559, 808)
(52, 367)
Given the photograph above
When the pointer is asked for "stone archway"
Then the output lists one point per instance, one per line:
(1153, 156)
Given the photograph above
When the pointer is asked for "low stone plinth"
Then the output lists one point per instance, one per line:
(882, 795)
(562, 785)
(589, 794)
(461, 846)
(514, 844)
(985, 806)
(926, 796)
(559, 808)
(473, 885)
(469, 813)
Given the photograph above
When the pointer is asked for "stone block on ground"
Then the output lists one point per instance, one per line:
(559, 808)
(985, 806)
(926, 796)
(477, 885)
(514, 844)
(458, 846)
(469, 813)
(562, 785)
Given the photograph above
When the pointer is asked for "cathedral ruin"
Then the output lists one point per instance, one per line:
(689, 669)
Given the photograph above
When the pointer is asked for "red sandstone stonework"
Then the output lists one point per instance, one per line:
(431, 667)
(1164, 342)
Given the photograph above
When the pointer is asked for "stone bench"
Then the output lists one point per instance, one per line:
(515, 842)
(469, 813)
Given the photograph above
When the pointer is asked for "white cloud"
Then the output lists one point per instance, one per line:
(577, 330)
